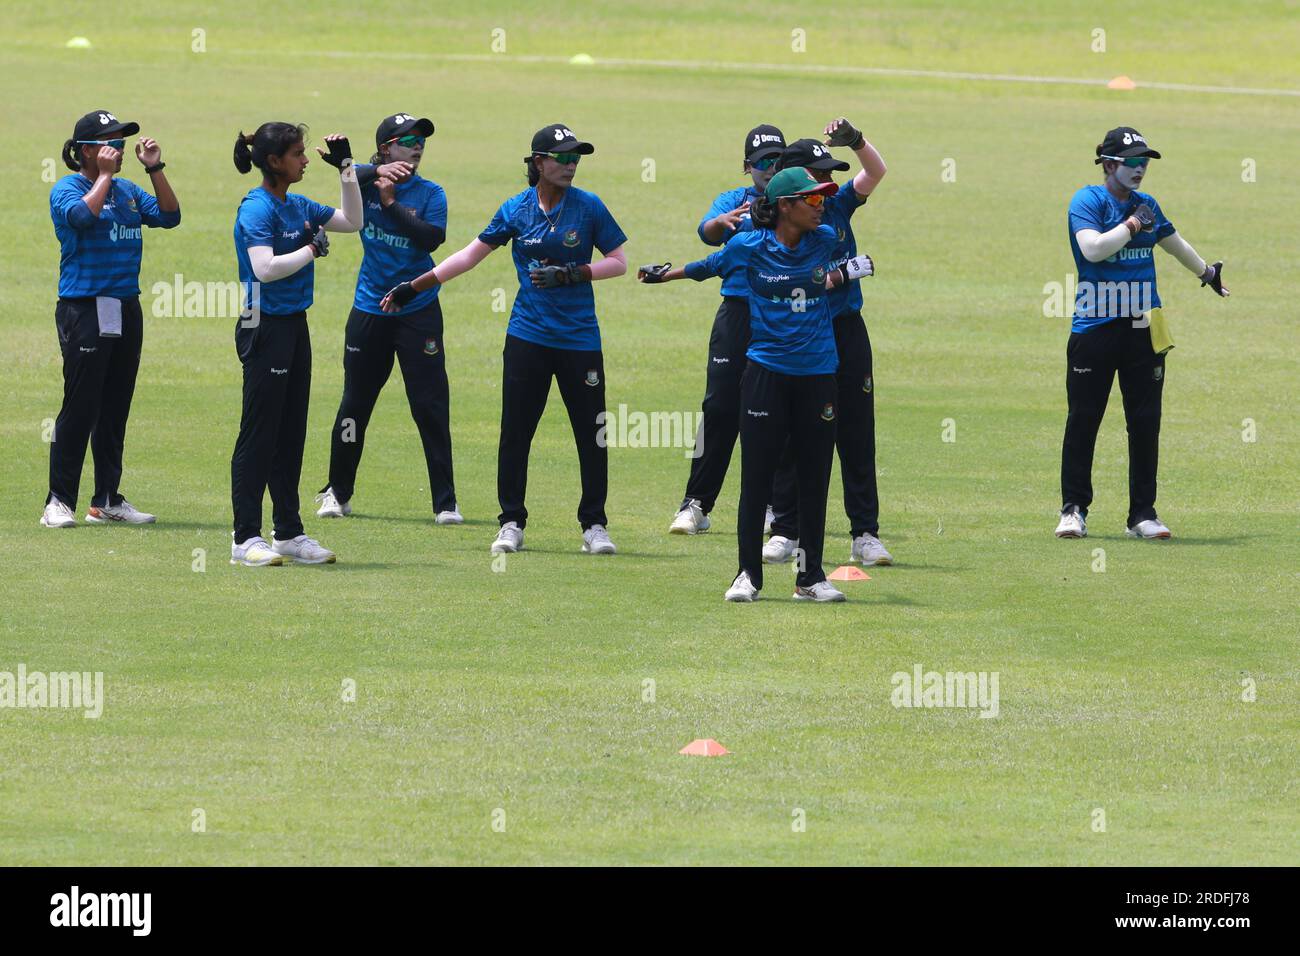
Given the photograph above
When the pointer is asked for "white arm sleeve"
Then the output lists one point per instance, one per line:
(1178, 247)
(1097, 246)
(268, 267)
(350, 216)
(461, 262)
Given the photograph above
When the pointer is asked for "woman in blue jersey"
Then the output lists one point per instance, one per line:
(1117, 329)
(788, 391)
(278, 237)
(728, 339)
(552, 227)
(855, 436)
(98, 219)
(406, 220)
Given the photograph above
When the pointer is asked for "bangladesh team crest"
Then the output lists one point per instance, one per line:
(867, 385)
(1158, 374)
(593, 377)
(828, 413)
(819, 275)
(430, 346)
(571, 238)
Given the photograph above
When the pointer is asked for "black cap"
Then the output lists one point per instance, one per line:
(762, 142)
(400, 124)
(1124, 141)
(101, 124)
(558, 138)
(810, 154)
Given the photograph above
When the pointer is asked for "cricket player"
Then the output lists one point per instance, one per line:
(552, 228)
(855, 435)
(1118, 328)
(98, 220)
(406, 220)
(729, 340)
(279, 235)
(788, 390)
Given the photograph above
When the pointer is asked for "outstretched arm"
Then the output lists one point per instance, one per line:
(455, 264)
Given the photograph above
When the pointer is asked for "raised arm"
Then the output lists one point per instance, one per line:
(841, 132)
(350, 214)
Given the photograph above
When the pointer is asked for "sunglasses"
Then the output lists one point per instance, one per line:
(1132, 162)
(816, 200)
(115, 143)
(763, 165)
(410, 142)
(565, 159)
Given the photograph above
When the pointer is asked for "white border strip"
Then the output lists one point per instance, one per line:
(793, 68)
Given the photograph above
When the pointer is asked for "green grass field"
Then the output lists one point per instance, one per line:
(523, 690)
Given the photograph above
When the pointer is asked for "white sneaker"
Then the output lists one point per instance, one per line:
(1150, 529)
(303, 549)
(768, 519)
(509, 539)
(254, 553)
(779, 550)
(822, 592)
(868, 550)
(690, 520)
(595, 540)
(58, 515)
(126, 513)
(450, 517)
(330, 506)
(1072, 524)
(742, 589)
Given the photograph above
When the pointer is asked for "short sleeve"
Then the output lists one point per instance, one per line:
(732, 256)
(64, 201)
(1163, 227)
(847, 200)
(607, 235)
(435, 208)
(500, 230)
(256, 224)
(1086, 212)
(317, 213)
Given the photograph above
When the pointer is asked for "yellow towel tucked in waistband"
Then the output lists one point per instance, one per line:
(1162, 340)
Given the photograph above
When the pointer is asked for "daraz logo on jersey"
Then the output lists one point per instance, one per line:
(124, 233)
(387, 238)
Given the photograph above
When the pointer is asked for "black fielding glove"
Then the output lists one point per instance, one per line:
(548, 277)
(400, 295)
(320, 243)
(1146, 216)
(844, 133)
(653, 273)
(340, 153)
(1213, 277)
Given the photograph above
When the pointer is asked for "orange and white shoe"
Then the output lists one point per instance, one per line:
(124, 513)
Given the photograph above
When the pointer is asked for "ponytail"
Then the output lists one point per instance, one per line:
(72, 155)
(534, 174)
(270, 139)
(762, 212)
(243, 156)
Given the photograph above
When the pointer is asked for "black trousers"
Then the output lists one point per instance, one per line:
(98, 383)
(720, 423)
(776, 410)
(1092, 360)
(526, 382)
(369, 346)
(276, 354)
(855, 439)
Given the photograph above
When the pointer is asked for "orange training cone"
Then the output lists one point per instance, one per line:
(704, 748)
(1122, 83)
(847, 572)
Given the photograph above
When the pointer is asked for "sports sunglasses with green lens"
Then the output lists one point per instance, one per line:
(1132, 162)
(115, 143)
(410, 142)
(763, 165)
(564, 159)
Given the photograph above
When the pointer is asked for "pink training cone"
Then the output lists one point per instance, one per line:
(1122, 83)
(707, 747)
(847, 572)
